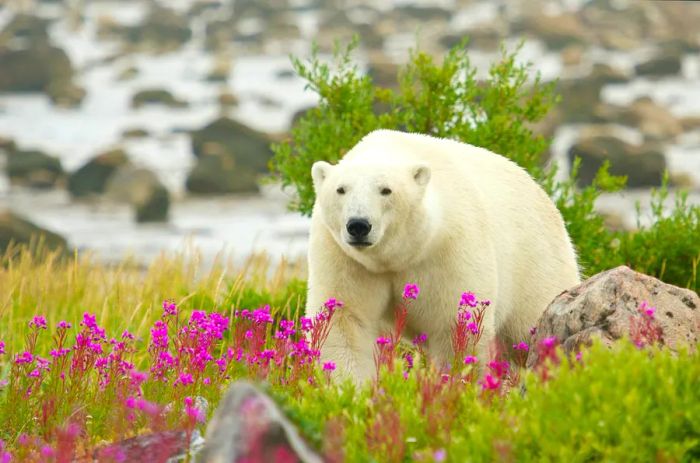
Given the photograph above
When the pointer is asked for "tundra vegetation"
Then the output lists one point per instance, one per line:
(92, 354)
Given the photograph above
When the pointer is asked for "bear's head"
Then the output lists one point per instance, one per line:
(374, 211)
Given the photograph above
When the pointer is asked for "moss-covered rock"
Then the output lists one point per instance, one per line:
(662, 65)
(156, 96)
(218, 174)
(143, 190)
(25, 27)
(248, 148)
(643, 165)
(33, 168)
(163, 29)
(91, 178)
(18, 230)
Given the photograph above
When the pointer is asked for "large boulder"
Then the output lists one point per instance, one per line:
(91, 179)
(25, 27)
(654, 121)
(662, 65)
(606, 306)
(230, 157)
(39, 68)
(33, 168)
(217, 173)
(248, 426)
(142, 189)
(18, 230)
(643, 165)
(579, 96)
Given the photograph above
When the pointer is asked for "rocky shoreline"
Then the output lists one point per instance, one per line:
(145, 103)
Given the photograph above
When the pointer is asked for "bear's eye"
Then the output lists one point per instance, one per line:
(340, 190)
(386, 191)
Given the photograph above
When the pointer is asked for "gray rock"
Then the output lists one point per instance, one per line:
(156, 96)
(580, 95)
(604, 306)
(230, 157)
(162, 30)
(556, 31)
(142, 189)
(663, 65)
(18, 230)
(643, 165)
(217, 173)
(39, 68)
(248, 426)
(33, 168)
(91, 178)
(25, 27)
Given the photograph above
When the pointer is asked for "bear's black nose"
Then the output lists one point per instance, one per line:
(358, 228)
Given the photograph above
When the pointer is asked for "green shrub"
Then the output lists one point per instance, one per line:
(445, 99)
(621, 405)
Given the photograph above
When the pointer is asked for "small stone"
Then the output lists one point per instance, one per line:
(248, 426)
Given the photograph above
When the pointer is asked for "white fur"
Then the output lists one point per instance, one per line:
(459, 218)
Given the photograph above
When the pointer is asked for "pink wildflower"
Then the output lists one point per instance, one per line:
(469, 359)
(24, 357)
(382, 341)
(185, 379)
(468, 299)
(328, 366)
(332, 304)
(420, 339)
(169, 308)
(2, 347)
(490, 383)
(38, 322)
(64, 325)
(411, 291)
(523, 346)
(549, 342)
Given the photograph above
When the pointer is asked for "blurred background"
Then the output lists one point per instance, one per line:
(111, 110)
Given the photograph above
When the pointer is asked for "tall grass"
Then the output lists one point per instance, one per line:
(60, 287)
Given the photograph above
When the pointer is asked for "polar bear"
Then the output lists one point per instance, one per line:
(409, 208)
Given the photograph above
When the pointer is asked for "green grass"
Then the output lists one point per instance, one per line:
(623, 404)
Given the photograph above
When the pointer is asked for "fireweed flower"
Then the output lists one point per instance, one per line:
(549, 342)
(523, 346)
(38, 322)
(332, 304)
(169, 308)
(420, 339)
(468, 300)
(533, 331)
(184, 379)
(306, 324)
(490, 383)
(382, 341)
(329, 366)
(24, 357)
(411, 291)
(2, 347)
(470, 359)
(64, 325)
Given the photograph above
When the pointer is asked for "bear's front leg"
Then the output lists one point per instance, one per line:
(354, 326)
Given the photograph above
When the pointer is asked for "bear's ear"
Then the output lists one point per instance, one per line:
(421, 174)
(319, 172)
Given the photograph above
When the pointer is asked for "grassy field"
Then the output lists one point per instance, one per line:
(92, 354)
